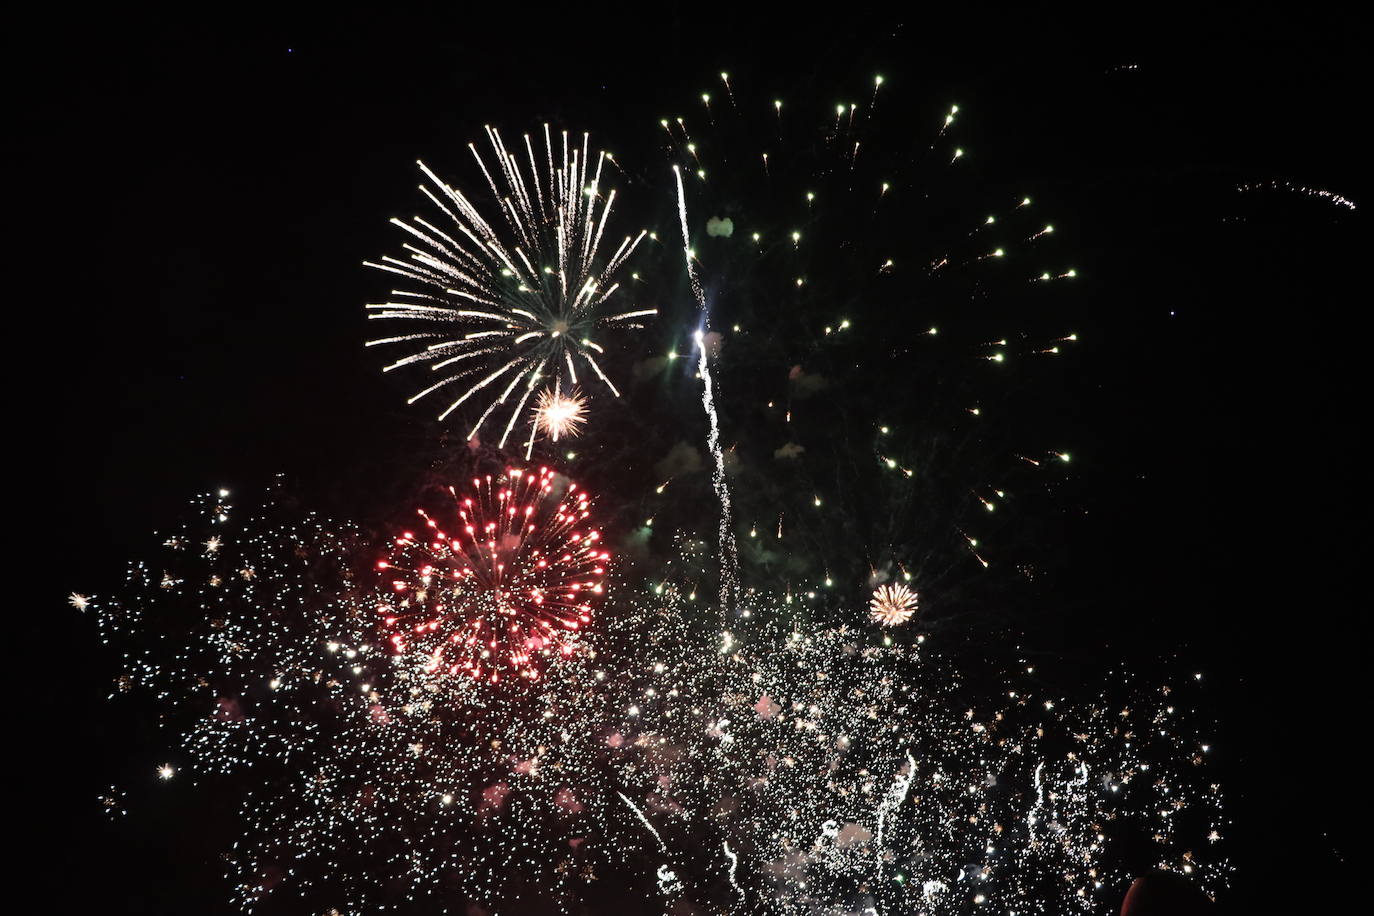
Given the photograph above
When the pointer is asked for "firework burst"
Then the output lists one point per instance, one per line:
(833, 249)
(892, 605)
(516, 577)
(513, 308)
(560, 415)
(774, 763)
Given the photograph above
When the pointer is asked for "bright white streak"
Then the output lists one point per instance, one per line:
(891, 802)
(734, 863)
(661, 844)
(529, 389)
(1032, 818)
(729, 559)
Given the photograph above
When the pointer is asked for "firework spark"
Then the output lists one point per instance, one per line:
(514, 308)
(518, 574)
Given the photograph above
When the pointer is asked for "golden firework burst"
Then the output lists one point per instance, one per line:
(892, 605)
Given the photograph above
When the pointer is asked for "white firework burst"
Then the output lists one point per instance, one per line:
(557, 414)
(513, 308)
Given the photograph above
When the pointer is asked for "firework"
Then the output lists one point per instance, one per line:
(765, 769)
(835, 250)
(892, 605)
(729, 556)
(461, 734)
(557, 414)
(844, 772)
(513, 578)
(516, 307)
(266, 656)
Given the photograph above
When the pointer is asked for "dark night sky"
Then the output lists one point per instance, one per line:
(205, 197)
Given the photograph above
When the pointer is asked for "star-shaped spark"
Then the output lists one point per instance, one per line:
(557, 414)
(892, 605)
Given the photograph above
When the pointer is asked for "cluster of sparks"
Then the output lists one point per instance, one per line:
(512, 308)
(513, 579)
(1338, 200)
(761, 769)
(453, 728)
(890, 777)
(801, 223)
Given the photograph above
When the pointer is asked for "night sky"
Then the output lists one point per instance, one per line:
(206, 196)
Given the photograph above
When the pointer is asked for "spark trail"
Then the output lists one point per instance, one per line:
(729, 557)
(734, 864)
(640, 814)
(895, 797)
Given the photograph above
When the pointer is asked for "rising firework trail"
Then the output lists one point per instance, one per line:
(729, 558)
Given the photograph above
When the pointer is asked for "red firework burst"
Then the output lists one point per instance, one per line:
(515, 578)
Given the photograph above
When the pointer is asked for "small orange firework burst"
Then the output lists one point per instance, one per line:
(557, 414)
(892, 605)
